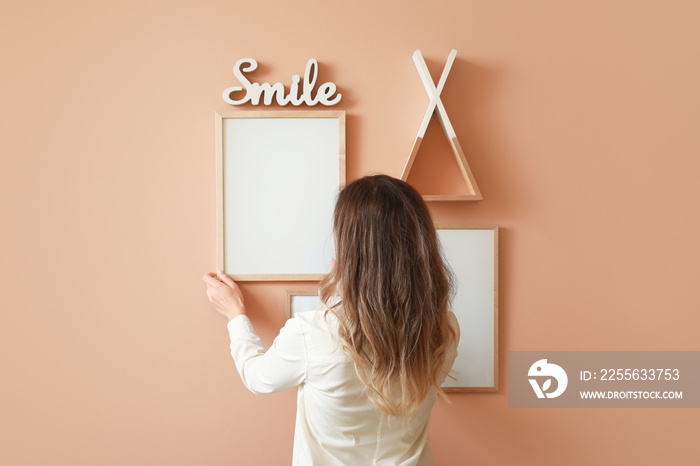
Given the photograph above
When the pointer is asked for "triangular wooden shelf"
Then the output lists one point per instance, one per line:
(473, 193)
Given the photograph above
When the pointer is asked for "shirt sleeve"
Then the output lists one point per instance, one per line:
(452, 351)
(281, 366)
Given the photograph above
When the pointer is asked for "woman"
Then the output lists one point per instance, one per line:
(369, 366)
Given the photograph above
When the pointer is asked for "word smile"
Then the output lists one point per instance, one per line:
(326, 94)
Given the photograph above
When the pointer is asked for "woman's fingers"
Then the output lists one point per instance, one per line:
(224, 294)
(220, 277)
(225, 278)
(211, 280)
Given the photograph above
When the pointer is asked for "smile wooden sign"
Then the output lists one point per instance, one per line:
(300, 91)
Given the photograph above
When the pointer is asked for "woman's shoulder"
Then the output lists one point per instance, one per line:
(321, 320)
(309, 315)
(320, 331)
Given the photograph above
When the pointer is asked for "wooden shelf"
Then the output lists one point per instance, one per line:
(436, 105)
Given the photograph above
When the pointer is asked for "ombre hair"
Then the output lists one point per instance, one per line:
(394, 290)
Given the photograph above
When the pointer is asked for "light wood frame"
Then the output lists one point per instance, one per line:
(220, 136)
(464, 325)
(290, 297)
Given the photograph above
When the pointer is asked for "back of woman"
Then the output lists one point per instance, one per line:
(370, 364)
(338, 422)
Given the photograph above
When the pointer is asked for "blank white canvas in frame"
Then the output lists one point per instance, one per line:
(471, 254)
(302, 303)
(281, 177)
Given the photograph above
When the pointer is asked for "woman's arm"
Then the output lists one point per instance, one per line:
(273, 370)
(262, 370)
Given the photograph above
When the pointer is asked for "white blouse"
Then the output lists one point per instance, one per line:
(336, 423)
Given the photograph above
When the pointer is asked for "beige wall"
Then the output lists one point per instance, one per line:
(579, 120)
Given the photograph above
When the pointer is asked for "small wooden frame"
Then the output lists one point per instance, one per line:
(436, 105)
(472, 253)
(301, 300)
(278, 174)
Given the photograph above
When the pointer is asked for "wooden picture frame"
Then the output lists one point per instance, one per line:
(301, 300)
(472, 253)
(278, 174)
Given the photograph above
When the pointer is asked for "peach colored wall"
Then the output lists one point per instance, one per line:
(579, 120)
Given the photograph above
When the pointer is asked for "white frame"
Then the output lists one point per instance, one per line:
(274, 213)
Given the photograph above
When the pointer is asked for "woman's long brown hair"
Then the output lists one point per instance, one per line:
(394, 290)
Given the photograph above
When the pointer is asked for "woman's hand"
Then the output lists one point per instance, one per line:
(224, 294)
